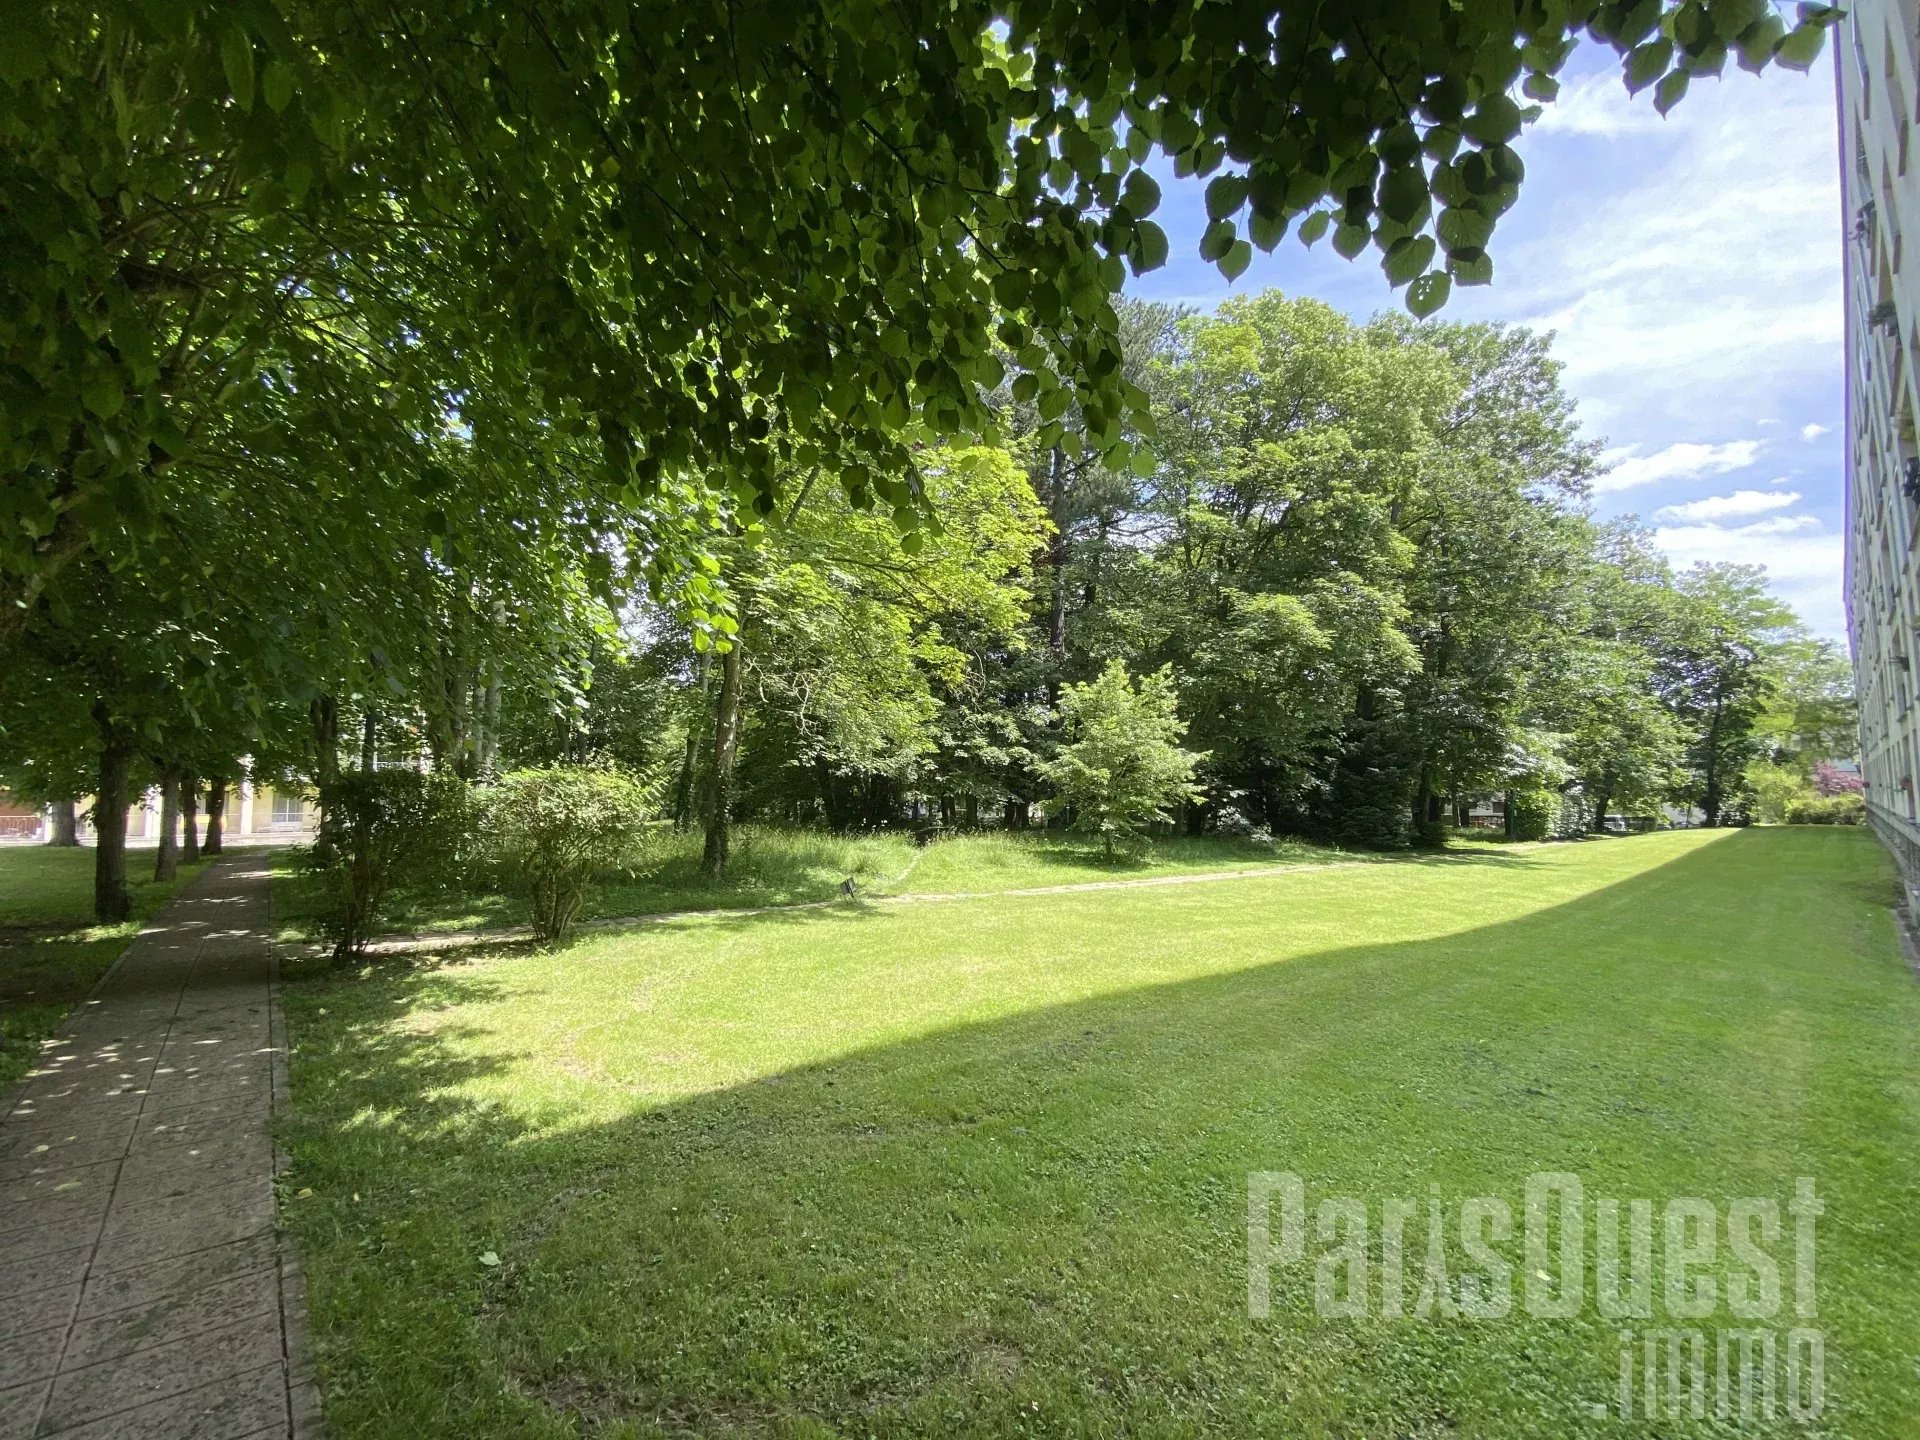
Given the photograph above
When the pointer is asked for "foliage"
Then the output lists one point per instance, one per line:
(244, 239)
(1574, 816)
(1121, 765)
(1714, 675)
(1773, 789)
(557, 830)
(1849, 808)
(1830, 779)
(383, 828)
(1535, 811)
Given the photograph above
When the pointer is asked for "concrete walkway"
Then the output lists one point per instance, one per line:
(144, 1294)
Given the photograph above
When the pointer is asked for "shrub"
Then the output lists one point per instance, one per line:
(557, 830)
(1122, 766)
(1572, 816)
(1845, 809)
(1535, 811)
(384, 828)
(1830, 779)
(1773, 790)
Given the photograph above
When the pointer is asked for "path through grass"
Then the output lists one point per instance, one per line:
(981, 1168)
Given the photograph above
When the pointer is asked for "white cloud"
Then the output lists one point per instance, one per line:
(1813, 430)
(1598, 105)
(1685, 460)
(1803, 561)
(1728, 507)
(1692, 264)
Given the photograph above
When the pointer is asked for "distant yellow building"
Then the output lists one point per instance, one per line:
(260, 812)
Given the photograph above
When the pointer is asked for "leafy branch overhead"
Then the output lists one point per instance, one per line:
(243, 240)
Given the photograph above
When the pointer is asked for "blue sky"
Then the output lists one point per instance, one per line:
(1690, 269)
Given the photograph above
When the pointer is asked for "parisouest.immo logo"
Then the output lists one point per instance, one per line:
(1715, 1300)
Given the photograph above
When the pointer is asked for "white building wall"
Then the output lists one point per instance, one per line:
(1877, 45)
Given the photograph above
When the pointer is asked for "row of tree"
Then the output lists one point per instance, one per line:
(1359, 579)
(1363, 559)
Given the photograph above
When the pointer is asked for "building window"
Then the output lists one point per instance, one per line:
(289, 810)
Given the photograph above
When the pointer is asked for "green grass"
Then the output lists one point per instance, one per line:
(51, 952)
(979, 1167)
(784, 867)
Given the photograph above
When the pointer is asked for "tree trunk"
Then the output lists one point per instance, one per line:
(1426, 806)
(65, 828)
(369, 731)
(189, 819)
(215, 843)
(324, 712)
(1057, 557)
(1506, 819)
(1710, 794)
(166, 859)
(690, 760)
(726, 743)
(490, 723)
(111, 902)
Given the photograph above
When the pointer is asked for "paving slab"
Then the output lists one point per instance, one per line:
(144, 1291)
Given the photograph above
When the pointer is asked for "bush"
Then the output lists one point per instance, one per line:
(1534, 813)
(1773, 790)
(1121, 767)
(384, 828)
(557, 830)
(1572, 816)
(1846, 809)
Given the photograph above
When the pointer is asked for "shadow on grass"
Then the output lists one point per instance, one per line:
(1037, 1225)
(51, 959)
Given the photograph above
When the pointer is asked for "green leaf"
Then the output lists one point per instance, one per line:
(1225, 195)
(1217, 240)
(1495, 120)
(103, 393)
(1350, 240)
(1403, 193)
(1234, 263)
(1461, 228)
(1266, 231)
(1408, 258)
(1648, 63)
(1314, 226)
(1428, 294)
(1757, 41)
(276, 85)
(1540, 87)
(236, 58)
(1141, 194)
(1475, 271)
(1149, 247)
(1800, 47)
(1667, 93)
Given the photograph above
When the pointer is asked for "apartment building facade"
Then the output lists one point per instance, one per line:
(1878, 44)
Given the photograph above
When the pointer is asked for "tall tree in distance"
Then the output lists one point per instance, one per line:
(1715, 676)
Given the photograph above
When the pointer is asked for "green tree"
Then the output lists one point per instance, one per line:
(1120, 766)
(850, 631)
(1714, 677)
(235, 233)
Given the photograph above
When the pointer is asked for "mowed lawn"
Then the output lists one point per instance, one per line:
(979, 1167)
(51, 951)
